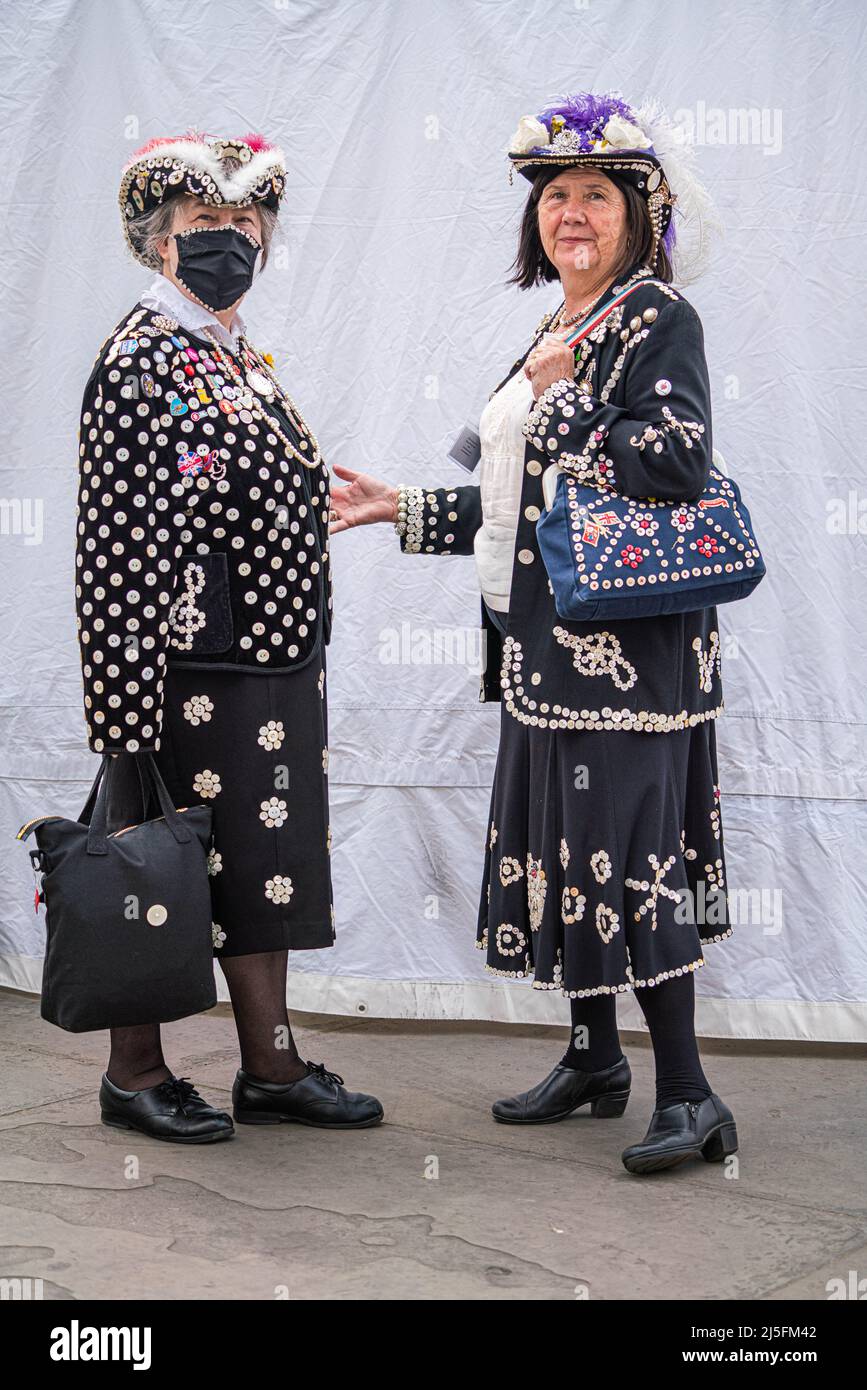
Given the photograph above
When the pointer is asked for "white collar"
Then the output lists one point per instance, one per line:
(164, 295)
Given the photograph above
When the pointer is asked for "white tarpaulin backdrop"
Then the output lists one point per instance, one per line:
(390, 322)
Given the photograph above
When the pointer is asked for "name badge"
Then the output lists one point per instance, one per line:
(467, 449)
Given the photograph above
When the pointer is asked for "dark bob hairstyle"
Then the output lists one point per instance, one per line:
(532, 267)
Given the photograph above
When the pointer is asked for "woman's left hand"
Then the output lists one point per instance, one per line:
(550, 361)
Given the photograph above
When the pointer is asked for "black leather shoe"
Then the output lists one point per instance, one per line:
(682, 1131)
(563, 1091)
(317, 1099)
(172, 1110)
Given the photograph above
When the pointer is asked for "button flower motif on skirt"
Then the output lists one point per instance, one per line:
(218, 936)
(601, 866)
(511, 941)
(510, 871)
(207, 783)
(494, 833)
(198, 709)
(279, 889)
(564, 854)
(572, 909)
(215, 862)
(272, 734)
(607, 922)
(273, 812)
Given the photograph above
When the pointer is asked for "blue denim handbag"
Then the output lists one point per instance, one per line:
(610, 556)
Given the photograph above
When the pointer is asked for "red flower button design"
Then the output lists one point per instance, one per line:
(632, 556)
(707, 545)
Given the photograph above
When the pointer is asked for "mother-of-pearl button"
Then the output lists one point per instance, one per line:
(526, 557)
(157, 915)
(532, 513)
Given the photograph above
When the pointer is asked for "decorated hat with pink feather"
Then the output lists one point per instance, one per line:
(240, 172)
(640, 145)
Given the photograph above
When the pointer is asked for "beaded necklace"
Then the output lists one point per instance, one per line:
(560, 322)
(261, 381)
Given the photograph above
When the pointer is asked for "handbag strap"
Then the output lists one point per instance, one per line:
(167, 805)
(87, 809)
(97, 838)
(595, 317)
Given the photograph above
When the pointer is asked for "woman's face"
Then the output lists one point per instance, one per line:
(582, 222)
(193, 212)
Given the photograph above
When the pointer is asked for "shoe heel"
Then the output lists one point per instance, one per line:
(113, 1122)
(719, 1145)
(609, 1106)
(255, 1117)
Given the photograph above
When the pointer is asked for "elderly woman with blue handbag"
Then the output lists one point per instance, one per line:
(603, 536)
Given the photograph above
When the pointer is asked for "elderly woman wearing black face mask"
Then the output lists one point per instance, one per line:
(203, 601)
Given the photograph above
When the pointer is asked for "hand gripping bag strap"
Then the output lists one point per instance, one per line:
(97, 839)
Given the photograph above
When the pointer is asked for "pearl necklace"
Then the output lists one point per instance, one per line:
(560, 322)
(258, 379)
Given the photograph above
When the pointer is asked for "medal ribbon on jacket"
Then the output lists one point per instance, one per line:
(573, 338)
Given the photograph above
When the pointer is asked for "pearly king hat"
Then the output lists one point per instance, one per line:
(601, 131)
(191, 163)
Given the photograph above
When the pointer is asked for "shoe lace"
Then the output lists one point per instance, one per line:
(318, 1069)
(182, 1089)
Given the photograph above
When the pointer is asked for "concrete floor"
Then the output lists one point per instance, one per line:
(541, 1213)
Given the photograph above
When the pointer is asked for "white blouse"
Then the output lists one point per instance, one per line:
(501, 473)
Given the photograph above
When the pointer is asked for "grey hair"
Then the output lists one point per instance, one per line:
(150, 228)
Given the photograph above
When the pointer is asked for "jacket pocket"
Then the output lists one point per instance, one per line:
(200, 618)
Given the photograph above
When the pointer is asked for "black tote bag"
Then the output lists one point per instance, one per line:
(128, 912)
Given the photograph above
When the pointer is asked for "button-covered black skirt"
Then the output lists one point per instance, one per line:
(604, 866)
(254, 747)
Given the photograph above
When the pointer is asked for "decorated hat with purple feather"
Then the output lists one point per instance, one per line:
(601, 131)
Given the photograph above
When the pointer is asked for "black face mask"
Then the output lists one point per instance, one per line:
(216, 264)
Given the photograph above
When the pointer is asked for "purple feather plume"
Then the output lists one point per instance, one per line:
(587, 114)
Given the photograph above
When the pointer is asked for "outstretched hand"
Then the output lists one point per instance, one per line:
(365, 501)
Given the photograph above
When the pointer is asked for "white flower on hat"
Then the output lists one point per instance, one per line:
(623, 135)
(530, 135)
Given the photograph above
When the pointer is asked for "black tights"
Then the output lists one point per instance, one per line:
(257, 984)
(669, 1011)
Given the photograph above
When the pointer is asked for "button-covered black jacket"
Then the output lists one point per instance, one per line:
(638, 415)
(200, 540)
